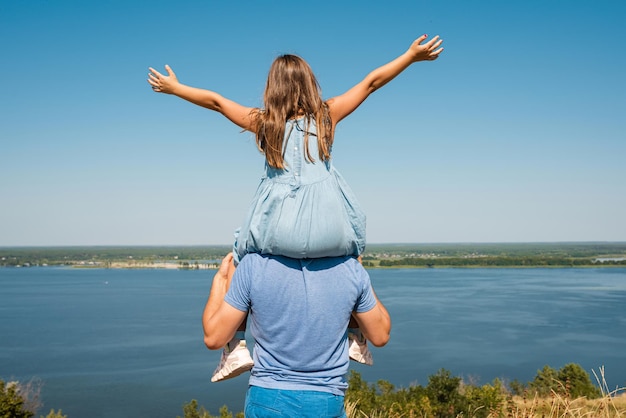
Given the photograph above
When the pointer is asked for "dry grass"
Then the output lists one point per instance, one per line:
(609, 406)
(554, 407)
(612, 404)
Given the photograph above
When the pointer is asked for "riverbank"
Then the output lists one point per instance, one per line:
(376, 264)
(466, 255)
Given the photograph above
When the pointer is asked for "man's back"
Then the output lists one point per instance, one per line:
(299, 312)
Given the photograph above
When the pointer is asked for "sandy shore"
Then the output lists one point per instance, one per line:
(131, 264)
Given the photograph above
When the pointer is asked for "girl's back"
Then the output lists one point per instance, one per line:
(304, 210)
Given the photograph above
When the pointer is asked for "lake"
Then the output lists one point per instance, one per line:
(128, 343)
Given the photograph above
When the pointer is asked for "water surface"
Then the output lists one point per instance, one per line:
(128, 343)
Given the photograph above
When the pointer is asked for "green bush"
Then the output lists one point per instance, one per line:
(11, 402)
(577, 382)
(571, 381)
(485, 400)
(443, 393)
(53, 414)
(444, 396)
(545, 382)
(191, 410)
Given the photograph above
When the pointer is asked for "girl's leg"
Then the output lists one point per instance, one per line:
(240, 334)
(357, 344)
(236, 357)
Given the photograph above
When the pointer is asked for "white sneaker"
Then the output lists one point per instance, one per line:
(358, 350)
(233, 362)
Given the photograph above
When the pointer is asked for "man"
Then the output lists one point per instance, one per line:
(299, 312)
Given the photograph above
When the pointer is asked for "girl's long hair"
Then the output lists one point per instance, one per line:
(292, 91)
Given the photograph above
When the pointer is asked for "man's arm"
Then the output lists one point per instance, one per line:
(241, 116)
(375, 324)
(341, 106)
(220, 320)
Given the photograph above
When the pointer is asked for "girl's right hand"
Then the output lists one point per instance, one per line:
(162, 83)
(427, 51)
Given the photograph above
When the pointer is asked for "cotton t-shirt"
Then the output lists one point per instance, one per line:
(299, 313)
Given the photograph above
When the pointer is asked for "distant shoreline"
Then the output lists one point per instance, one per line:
(462, 255)
(215, 266)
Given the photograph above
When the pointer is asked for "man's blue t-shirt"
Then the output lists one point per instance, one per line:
(299, 312)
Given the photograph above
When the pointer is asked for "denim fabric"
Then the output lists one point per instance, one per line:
(266, 403)
(306, 210)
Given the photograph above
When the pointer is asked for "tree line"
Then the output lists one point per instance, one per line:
(383, 255)
(495, 261)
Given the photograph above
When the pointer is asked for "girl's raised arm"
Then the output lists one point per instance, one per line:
(341, 106)
(169, 84)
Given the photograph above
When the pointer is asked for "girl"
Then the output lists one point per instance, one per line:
(302, 208)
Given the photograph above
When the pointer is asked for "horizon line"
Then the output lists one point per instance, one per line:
(369, 244)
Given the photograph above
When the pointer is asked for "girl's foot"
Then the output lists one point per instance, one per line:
(234, 361)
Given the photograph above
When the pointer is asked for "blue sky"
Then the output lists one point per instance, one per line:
(517, 133)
